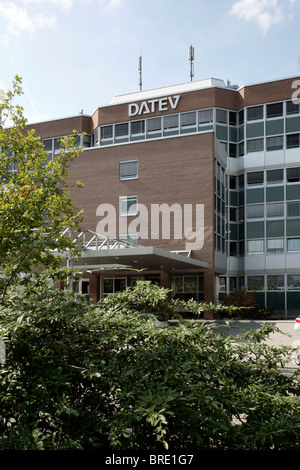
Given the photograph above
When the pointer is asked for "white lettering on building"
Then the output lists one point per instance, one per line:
(150, 106)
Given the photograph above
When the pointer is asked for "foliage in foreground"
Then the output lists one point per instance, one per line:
(35, 203)
(88, 377)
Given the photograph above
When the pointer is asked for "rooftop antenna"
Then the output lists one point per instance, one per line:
(140, 72)
(191, 59)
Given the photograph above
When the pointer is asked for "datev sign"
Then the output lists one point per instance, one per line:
(150, 106)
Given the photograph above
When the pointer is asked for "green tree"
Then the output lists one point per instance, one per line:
(35, 206)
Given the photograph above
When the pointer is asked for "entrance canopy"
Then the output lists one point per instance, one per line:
(101, 252)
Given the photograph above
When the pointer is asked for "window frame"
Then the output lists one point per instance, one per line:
(133, 176)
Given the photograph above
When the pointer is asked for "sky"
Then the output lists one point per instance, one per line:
(76, 55)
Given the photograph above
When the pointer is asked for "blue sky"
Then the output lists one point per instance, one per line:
(78, 54)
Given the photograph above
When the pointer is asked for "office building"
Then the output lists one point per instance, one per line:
(194, 186)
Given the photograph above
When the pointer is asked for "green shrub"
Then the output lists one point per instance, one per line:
(84, 377)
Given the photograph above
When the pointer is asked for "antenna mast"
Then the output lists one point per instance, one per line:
(191, 59)
(140, 72)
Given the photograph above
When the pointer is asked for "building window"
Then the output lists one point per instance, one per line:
(222, 284)
(292, 108)
(292, 141)
(255, 247)
(171, 122)
(121, 130)
(275, 209)
(153, 124)
(137, 127)
(188, 119)
(221, 116)
(275, 143)
(129, 170)
(293, 209)
(256, 112)
(113, 285)
(106, 132)
(293, 245)
(241, 149)
(128, 205)
(293, 175)
(256, 177)
(275, 282)
(275, 245)
(274, 110)
(255, 211)
(188, 287)
(233, 150)
(255, 282)
(47, 143)
(232, 181)
(255, 145)
(232, 118)
(205, 116)
(293, 281)
(274, 176)
(241, 117)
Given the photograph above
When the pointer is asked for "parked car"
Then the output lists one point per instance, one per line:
(297, 324)
(156, 317)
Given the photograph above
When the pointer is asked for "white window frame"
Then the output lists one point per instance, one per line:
(130, 177)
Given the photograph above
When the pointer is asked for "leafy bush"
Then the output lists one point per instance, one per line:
(248, 308)
(85, 377)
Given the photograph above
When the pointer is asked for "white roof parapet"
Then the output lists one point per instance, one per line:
(168, 90)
